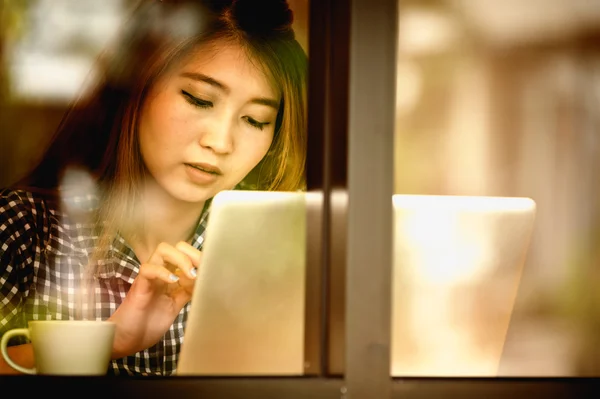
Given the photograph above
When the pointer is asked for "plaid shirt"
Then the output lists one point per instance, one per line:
(43, 260)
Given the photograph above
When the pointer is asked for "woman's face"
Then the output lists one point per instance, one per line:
(207, 123)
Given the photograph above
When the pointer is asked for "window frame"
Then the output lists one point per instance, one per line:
(352, 72)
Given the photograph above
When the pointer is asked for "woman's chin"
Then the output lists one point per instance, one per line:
(196, 195)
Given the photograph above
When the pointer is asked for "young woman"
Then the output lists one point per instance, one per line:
(196, 98)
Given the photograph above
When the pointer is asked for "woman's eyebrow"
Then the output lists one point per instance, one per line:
(206, 79)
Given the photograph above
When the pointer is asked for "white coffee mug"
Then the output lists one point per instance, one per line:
(65, 347)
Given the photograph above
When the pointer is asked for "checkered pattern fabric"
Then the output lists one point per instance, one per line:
(43, 263)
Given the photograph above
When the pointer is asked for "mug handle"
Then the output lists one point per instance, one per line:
(4, 343)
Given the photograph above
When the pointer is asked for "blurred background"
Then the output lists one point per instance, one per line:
(502, 98)
(493, 98)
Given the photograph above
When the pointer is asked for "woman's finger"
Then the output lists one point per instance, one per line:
(180, 297)
(151, 271)
(185, 282)
(194, 254)
(166, 254)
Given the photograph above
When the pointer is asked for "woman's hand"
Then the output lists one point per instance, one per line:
(162, 288)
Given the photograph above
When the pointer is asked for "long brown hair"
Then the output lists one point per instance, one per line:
(99, 133)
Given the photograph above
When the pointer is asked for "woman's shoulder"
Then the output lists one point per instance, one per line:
(23, 211)
(23, 218)
(56, 221)
(58, 205)
(21, 202)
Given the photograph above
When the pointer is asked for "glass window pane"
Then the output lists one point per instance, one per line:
(156, 113)
(499, 100)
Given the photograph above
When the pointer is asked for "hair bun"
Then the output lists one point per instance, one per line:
(262, 17)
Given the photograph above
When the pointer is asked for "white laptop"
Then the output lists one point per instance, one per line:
(247, 311)
(457, 266)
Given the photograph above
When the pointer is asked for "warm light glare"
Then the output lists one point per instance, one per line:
(442, 250)
(457, 265)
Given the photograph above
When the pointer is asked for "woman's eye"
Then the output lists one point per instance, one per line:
(256, 124)
(195, 101)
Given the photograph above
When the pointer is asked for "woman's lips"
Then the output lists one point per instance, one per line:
(206, 167)
(201, 173)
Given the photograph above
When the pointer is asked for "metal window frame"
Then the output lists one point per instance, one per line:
(351, 129)
(370, 187)
(300, 388)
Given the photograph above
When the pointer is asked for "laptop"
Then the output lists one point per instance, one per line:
(457, 266)
(247, 311)
(458, 263)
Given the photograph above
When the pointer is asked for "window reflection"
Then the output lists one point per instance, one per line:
(191, 95)
(500, 99)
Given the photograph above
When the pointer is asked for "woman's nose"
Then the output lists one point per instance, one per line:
(218, 136)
